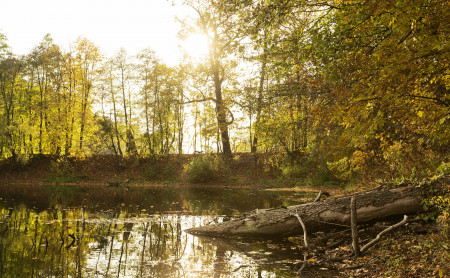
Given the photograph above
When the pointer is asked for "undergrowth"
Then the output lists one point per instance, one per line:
(62, 171)
(207, 168)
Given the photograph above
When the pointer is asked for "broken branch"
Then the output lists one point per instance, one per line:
(354, 226)
(303, 227)
(385, 231)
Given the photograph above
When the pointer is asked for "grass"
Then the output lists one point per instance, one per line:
(65, 178)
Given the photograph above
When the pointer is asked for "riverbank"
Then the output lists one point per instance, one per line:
(243, 170)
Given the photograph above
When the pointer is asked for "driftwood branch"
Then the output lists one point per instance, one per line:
(321, 193)
(305, 235)
(385, 231)
(318, 196)
(354, 226)
(305, 240)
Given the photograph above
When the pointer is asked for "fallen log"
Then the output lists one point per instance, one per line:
(324, 215)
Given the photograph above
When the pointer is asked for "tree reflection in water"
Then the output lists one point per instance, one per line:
(122, 242)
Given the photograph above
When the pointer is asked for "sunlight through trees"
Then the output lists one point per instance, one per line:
(348, 88)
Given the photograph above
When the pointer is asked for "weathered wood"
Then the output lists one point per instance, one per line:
(385, 231)
(318, 216)
(305, 234)
(354, 227)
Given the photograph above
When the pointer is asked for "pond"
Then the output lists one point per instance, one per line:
(57, 231)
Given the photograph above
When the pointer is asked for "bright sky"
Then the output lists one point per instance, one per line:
(110, 24)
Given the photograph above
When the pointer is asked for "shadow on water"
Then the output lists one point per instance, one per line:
(75, 232)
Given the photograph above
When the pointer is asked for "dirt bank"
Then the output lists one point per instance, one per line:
(245, 170)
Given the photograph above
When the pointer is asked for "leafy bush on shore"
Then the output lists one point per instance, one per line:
(203, 169)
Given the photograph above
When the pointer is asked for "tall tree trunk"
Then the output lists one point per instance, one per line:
(116, 129)
(153, 148)
(41, 119)
(221, 116)
(180, 128)
(30, 112)
(147, 120)
(9, 135)
(305, 123)
(124, 98)
(220, 107)
(195, 128)
(70, 118)
(84, 103)
(259, 100)
(83, 118)
(8, 107)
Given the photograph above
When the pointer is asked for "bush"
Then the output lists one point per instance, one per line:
(293, 171)
(158, 168)
(152, 172)
(62, 171)
(341, 169)
(169, 171)
(61, 167)
(306, 170)
(23, 159)
(201, 169)
(443, 169)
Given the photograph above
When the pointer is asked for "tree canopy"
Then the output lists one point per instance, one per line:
(345, 87)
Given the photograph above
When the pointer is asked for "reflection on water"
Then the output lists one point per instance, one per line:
(49, 232)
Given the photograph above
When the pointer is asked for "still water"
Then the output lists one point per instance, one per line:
(113, 232)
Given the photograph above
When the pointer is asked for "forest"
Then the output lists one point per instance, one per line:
(102, 154)
(353, 89)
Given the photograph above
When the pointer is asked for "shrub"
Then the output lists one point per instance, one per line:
(62, 171)
(159, 169)
(293, 171)
(169, 171)
(341, 169)
(152, 172)
(61, 167)
(201, 169)
(306, 170)
(23, 159)
(443, 169)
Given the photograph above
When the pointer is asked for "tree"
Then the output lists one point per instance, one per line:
(390, 63)
(372, 77)
(41, 67)
(109, 92)
(219, 21)
(88, 58)
(146, 62)
(161, 91)
(10, 68)
(69, 99)
(123, 68)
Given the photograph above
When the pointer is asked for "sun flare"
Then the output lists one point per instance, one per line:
(196, 46)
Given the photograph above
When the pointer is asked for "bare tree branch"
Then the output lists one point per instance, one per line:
(385, 231)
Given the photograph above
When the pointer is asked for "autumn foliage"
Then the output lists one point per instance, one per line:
(345, 89)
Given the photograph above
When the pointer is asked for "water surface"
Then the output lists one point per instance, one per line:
(113, 232)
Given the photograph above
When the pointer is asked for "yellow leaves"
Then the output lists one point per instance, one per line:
(434, 80)
(340, 169)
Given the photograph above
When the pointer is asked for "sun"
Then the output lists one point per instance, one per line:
(196, 46)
